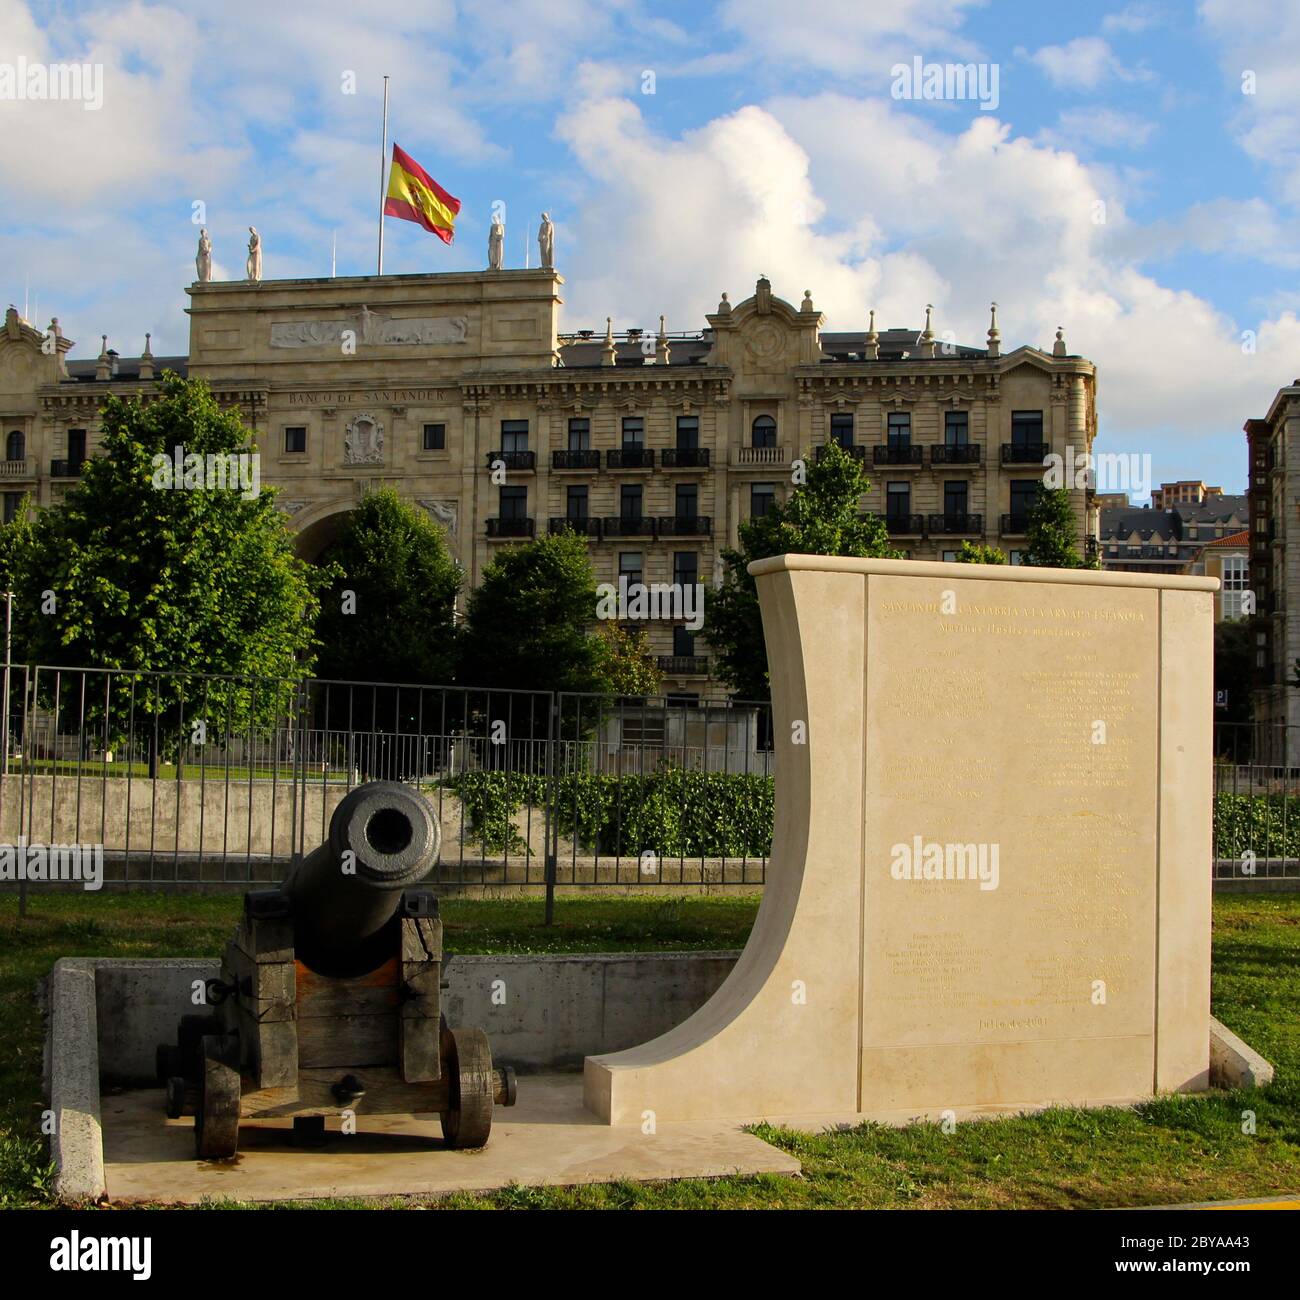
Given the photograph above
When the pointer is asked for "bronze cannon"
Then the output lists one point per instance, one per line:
(329, 998)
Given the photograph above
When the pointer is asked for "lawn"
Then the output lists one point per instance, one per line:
(1174, 1149)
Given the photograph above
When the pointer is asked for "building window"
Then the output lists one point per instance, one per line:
(683, 640)
(688, 501)
(899, 429)
(630, 499)
(1018, 557)
(579, 435)
(956, 428)
(762, 432)
(950, 557)
(576, 505)
(514, 502)
(295, 438)
(633, 433)
(16, 446)
(762, 499)
(435, 437)
(76, 446)
(1026, 427)
(1236, 576)
(629, 566)
(12, 501)
(1024, 491)
(686, 568)
(955, 498)
(842, 430)
(514, 435)
(688, 432)
(898, 500)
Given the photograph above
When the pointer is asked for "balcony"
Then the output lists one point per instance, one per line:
(584, 527)
(513, 459)
(965, 453)
(685, 525)
(17, 469)
(684, 458)
(629, 526)
(759, 457)
(630, 458)
(1024, 453)
(683, 665)
(66, 468)
(897, 456)
(1015, 525)
(575, 460)
(522, 527)
(857, 453)
(900, 525)
(956, 524)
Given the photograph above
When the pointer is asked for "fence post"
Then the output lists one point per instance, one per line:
(550, 831)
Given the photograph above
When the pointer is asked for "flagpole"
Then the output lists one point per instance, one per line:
(383, 163)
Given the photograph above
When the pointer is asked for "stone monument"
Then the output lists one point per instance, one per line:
(546, 241)
(989, 887)
(496, 244)
(203, 259)
(254, 265)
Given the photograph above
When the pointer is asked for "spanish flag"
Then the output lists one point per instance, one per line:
(414, 195)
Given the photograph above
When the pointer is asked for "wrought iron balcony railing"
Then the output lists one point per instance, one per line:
(947, 453)
(575, 460)
(584, 526)
(1024, 453)
(956, 524)
(629, 526)
(513, 459)
(684, 458)
(521, 527)
(685, 525)
(684, 665)
(630, 458)
(897, 455)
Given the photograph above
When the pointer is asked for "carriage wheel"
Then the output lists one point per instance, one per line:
(467, 1060)
(216, 1121)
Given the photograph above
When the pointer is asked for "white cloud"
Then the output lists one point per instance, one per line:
(1098, 128)
(1131, 20)
(871, 207)
(1082, 64)
(1261, 38)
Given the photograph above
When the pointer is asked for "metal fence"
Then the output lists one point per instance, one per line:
(191, 779)
(1256, 802)
(187, 779)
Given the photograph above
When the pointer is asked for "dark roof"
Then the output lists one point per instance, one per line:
(128, 369)
(691, 349)
(1120, 522)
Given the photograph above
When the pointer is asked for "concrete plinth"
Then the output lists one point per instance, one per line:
(546, 1139)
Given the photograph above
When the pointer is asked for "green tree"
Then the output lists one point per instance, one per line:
(17, 539)
(129, 574)
(822, 517)
(389, 613)
(979, 553)
(1052, 532)
(528, 625)
(627, 667)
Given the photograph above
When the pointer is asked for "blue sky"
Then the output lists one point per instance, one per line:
(1124, 186)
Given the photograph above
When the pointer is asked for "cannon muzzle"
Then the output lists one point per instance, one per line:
(383, 838)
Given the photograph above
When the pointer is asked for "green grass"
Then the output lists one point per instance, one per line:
(1174, 1149)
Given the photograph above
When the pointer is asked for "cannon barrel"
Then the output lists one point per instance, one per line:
(383, 838)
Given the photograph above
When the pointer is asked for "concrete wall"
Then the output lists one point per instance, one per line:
(540, 1013)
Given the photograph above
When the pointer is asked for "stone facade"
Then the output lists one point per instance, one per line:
(460, 391)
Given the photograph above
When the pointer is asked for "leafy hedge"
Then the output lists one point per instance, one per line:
(1269, 826)
(673, 812)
